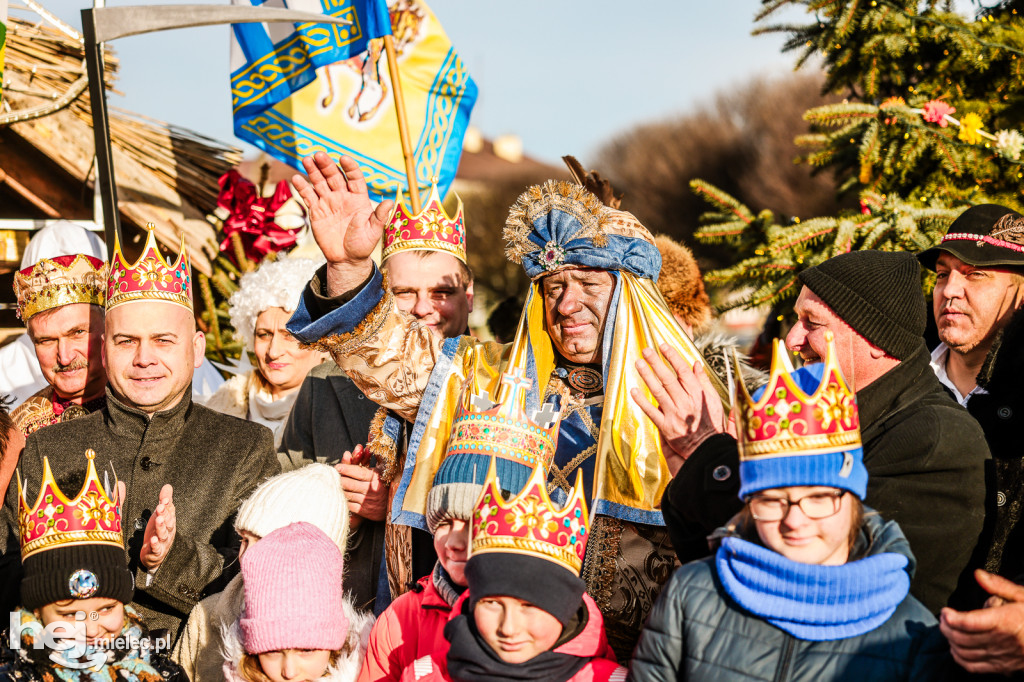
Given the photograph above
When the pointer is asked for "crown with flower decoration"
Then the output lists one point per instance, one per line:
(63, 280)
(788, 421)
(90, 518)
(503, 429)
(429, 230)
(150, 278)
(530, 524)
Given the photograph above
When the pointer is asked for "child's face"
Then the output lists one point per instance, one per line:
(451, 539)
(295, 665)
(104, 617)
(516, 629)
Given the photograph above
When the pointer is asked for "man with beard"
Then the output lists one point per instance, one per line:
(592, 306)
(61, 301)
(925, 455)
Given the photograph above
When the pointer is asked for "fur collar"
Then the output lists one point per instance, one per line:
(1005, 367)
(717, 348)
(232, 397)
(345, 670)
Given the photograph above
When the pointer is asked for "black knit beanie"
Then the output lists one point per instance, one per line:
(878, 293)
(543, 583)
(76, 572)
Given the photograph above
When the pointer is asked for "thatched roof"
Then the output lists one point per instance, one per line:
(165, 174)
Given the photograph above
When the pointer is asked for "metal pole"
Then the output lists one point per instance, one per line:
(403, 126)
(105, 186)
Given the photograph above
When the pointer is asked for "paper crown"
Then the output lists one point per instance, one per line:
(55, 282)
(429, 230)
(530, 524)
(150, 278)
(502, 429)
(786, 420)
(91, 518)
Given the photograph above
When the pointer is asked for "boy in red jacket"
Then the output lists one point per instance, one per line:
(526, 614)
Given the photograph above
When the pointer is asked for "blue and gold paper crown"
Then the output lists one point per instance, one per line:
(482, 430)
(802, 430)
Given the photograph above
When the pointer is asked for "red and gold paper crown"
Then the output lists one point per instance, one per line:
(530, 524)
(55, 282)
(150, 278)
(91, 518)
(503, 430)
(429, 230)
(786, 420)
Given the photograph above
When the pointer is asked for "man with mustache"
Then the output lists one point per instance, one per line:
(925, 455)
(61, 300)
(593, 305)
(187, 468)
(978, 295)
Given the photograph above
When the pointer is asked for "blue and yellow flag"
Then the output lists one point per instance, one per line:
(298, 89)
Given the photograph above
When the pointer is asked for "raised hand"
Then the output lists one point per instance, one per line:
(689, 410)
(344, 223)
(160, 531)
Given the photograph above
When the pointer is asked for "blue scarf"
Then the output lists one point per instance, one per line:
(812, 602)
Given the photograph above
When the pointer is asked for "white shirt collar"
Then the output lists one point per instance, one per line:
(938, 362)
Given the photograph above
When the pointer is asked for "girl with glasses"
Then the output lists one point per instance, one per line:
(806, 583)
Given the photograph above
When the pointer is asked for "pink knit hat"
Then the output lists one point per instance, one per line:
(293, 597)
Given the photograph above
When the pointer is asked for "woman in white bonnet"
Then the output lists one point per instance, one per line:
(259, 310)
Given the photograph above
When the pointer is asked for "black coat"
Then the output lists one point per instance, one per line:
(213, 461)
(331, 416)
(926, 461)
(1000, 413)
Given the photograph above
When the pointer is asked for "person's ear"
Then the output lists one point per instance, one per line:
(199, 349)
(469, 295)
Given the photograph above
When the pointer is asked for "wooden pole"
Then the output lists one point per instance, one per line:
(403, 125)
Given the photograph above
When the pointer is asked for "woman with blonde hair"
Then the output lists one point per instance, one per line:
(259, 310)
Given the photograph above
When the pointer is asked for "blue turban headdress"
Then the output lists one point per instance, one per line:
(560, 224)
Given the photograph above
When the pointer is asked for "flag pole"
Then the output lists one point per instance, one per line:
(403, 125)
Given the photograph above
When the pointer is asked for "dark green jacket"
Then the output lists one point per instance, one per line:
(926, 460)
(213, 461)
(697, 632)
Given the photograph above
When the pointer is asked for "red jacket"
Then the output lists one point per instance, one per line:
(591, 643)
(410, 628)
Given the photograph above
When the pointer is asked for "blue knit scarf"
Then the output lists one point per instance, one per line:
(809, 601)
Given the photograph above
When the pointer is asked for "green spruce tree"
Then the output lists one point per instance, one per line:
(931, 122)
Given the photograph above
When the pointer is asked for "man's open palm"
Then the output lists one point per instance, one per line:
(344, 223)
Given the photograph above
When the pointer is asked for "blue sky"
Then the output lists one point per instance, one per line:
(564, 76)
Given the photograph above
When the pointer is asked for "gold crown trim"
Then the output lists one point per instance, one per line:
(507, 544)
(421, 245)
(125, 296)
(801, 445)
(782, 370)
(151, 245)
(71, 538)
(60, 295)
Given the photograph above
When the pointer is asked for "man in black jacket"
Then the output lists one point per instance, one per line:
(977, 303)
(925, 455)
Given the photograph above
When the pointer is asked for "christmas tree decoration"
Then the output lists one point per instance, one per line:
(893, 145)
